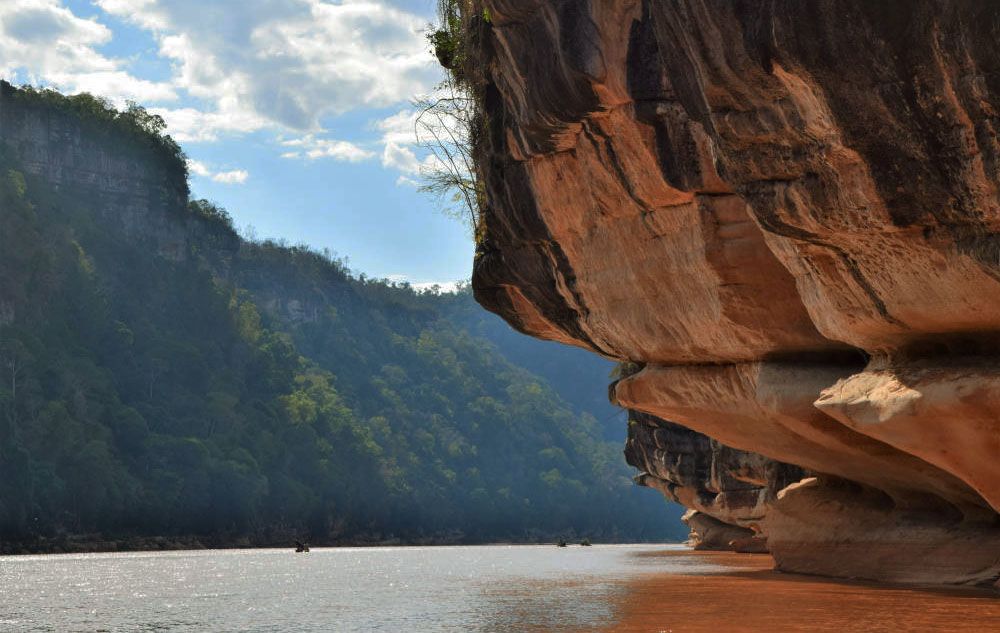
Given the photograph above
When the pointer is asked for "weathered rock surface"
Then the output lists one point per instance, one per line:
(788, 213)
(709, 533)
(728, 491)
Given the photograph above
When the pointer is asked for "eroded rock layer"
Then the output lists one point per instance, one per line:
(788, 214)
(728, 491)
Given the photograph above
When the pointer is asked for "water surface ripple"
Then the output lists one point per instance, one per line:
(446, 589)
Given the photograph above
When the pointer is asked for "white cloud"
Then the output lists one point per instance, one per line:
(404, 159)
(399, 128)
(400, 157)
(288, 62)
(116, 85)
(189, 125)
(439, 286)
(43, 42)
(243, 66)
(427, 286)
(402, 150)
(311, 148)
(142, 12)
(237, 177)
(232, 177)
(398, 140)
(198, 168)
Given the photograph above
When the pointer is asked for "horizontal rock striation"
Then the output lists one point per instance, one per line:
(788, 214)
(728, 491)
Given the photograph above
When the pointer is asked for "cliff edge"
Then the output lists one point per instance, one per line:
(786, 216)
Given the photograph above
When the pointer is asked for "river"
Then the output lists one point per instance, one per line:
(450, 589)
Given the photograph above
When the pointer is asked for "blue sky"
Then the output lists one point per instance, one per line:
(295, 113)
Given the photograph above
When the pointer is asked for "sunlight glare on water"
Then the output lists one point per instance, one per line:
(490, 588)
(607, 589)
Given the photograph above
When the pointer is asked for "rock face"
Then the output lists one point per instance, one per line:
(136, 190)
(728, 491)
(788, 214)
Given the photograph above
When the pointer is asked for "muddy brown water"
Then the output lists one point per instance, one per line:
(750, 597)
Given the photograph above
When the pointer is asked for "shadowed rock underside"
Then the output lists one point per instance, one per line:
(787, 215)
(727, 491)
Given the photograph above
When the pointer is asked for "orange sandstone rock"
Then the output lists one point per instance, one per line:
(788, 214)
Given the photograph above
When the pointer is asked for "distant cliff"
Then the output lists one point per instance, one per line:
(786, 215)
(162, 377)
(138, 176)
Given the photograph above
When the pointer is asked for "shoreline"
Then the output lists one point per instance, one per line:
(752, 597)
(614, 589)
(95, 544)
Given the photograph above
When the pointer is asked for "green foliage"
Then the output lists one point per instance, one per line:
(445, 47)
(212, 214)
(255, 390)
(446, 39)
(451, 123)
(14, 187)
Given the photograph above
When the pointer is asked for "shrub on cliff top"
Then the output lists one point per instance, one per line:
(451, 121)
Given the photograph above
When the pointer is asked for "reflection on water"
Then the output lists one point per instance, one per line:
(752, 598)
(492, 588)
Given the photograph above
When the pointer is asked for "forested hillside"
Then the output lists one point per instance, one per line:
(162, 376)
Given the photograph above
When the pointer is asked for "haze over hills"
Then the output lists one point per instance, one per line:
(163, 376)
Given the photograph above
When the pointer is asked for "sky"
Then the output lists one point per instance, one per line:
(296, 114)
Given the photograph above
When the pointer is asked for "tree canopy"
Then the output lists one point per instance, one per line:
(259, 391)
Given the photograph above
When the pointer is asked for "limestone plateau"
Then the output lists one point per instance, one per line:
(784, 216)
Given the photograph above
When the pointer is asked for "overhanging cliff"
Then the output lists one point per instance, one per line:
(787, 213)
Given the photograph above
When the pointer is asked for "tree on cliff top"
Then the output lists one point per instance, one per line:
(450, 122)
